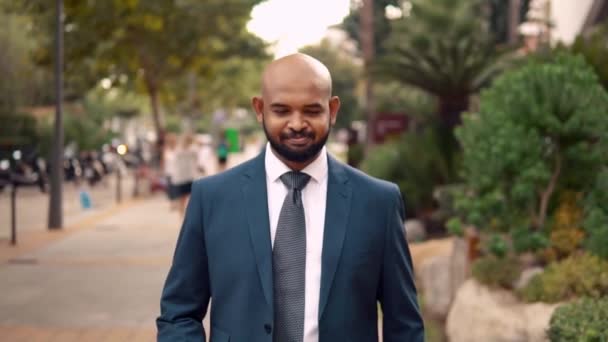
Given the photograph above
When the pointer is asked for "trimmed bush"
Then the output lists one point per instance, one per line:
(540, 128)
(596, 218)
(583, 275)
(566, 241)
(496, 272)
(584, 321)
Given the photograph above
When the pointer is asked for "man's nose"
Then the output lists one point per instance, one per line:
(296, 122)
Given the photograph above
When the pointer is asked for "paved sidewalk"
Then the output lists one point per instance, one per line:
(98, 279)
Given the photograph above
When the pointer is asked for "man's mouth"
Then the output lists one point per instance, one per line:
(299, 140)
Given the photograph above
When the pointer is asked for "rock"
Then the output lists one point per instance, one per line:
(434, 275)
(526, 276)
(459, 264)
(422, 251)
(479, 314)
(414, 230)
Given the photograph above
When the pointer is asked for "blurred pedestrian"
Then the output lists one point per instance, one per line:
(222, 152)
(183, 171)
(293, 246)
(168, 158)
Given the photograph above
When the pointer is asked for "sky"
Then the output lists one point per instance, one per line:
(292, 24)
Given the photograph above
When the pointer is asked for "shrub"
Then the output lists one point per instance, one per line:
(585, 320)
(596, 217)
(525, 241)
(566, 241)
(538, 129)
(414, 163)
(496, 272)
(497, 246)
(455, 227)
(576, 276)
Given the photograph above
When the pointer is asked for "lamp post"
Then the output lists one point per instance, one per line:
(56, 183)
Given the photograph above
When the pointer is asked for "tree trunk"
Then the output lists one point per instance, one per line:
(514, 20)
(450, 114)
(158, 126)
(367, 47)
(152, 88)
(545, 196)
(451, 108)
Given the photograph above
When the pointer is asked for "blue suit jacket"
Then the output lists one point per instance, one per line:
(224, 252)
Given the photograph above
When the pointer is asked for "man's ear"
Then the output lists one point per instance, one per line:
(258, 106)
(334, 106)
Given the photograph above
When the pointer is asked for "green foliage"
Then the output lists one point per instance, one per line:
(382, 28)
(147, 44)
(22, 83)
(596, 217)
(497, 246)
(582, 321)
(524, 240)
(534, 125)
(455, 227)
(355, 154)
(413, 162)
(496, 272)
(395, 97)
(346, 75)
(594, 47)
(576, 276)
(443, 47)
(17, 129)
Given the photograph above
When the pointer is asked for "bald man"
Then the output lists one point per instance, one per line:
(292, 246)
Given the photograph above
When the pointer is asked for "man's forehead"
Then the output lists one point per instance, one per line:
(296, 73)
(287, 86)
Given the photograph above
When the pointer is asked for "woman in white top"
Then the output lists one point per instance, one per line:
(183, 171)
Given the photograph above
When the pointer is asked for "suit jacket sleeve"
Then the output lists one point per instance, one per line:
(397, 293)
(186, 293)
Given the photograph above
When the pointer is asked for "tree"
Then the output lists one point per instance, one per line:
(540, 129)
(227, 85)
(346, 76)
(22, 83)
(444, 48)
(594, 48)
(382, 27)
(149, 43)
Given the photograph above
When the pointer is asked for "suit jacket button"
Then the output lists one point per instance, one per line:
(268, 328)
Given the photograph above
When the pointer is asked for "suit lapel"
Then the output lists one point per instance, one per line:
(256, 200)
(336, 218)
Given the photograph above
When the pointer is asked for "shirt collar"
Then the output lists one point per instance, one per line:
(275, 168)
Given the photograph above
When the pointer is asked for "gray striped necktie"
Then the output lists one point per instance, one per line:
(289, 262)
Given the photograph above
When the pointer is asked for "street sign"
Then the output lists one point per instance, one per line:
(389, 124)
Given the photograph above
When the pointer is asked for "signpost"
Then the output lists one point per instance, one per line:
(389, 124)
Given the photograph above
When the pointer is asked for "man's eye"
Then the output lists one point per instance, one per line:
(313, 112)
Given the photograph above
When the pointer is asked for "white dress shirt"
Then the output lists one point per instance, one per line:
(314, 197)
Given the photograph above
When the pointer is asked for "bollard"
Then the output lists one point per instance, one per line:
(13, 213)
(118, 185)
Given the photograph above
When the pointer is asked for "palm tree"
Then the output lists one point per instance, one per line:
(445, 48)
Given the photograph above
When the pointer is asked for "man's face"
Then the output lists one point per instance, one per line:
(297, 119)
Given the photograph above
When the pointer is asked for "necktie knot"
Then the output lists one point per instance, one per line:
(295, 180)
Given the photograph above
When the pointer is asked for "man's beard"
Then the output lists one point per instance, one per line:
(296, 156)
